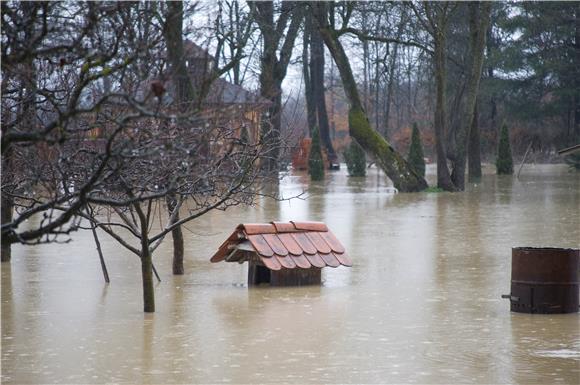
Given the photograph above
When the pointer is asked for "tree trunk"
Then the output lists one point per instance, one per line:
(577, 77)
(390, 88)
(177, 235)
(394, 165)
(474, 151)
(308, 93)
(146, 262)
(317, 71)
(6, 209)
(478, 22)
(184, 96)
(273, 69)
(443, 177)
(173, 34)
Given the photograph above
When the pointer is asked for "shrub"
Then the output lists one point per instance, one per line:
(315, 161)
(356, 161)
(504, 162)
(415, 157)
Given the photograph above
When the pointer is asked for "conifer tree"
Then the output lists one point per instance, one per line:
(415, 157)
(504, 162)
(356, 162)
(315, 161)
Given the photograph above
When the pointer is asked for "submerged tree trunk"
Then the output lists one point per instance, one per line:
(474, 151)
(395, 166)
(177, 235)
(185, 99)
(146, 262)
(6, 209)
(576, 140)
(317, 72)
(478, 22)
(443, 177)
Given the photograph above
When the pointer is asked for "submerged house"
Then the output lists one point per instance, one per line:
(283, 253)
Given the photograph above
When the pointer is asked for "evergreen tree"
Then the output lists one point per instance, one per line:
(356, 162)
(315, 161)
(504, 162)
(415, 157)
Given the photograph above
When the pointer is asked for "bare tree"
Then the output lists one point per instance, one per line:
(57, 71)
(172, 159)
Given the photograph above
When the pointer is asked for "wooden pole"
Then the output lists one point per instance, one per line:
(98, 243)
(524, 159)
(155, 272)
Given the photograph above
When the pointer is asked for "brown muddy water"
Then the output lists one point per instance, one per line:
(420, 305)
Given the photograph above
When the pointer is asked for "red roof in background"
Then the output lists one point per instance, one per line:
(286, 245)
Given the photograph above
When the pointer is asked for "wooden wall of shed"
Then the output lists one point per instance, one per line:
(296, 277)
(260, 274)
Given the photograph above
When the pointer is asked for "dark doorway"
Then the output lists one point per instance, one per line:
(258, 274)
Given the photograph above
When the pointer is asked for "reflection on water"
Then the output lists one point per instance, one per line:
(420, 305)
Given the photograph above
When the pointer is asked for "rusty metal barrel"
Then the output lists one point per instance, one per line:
(544, 280)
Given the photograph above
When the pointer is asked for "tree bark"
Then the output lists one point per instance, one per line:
(394, 165)
(317, 71)
(176, 234)
(308, 92)
(173, 34)
(146, 262)
(184, 96)
(474, 151)
(6, 209)
(443, 178)
(390, 88)
(478, 22)
(577, 77)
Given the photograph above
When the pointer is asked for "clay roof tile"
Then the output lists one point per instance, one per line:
(258, 228)
(310, 226)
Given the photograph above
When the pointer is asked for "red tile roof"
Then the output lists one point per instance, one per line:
(284, 245)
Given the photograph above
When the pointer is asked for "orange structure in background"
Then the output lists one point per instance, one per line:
(301, 154)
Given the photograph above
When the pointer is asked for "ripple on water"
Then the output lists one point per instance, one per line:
(559, 353)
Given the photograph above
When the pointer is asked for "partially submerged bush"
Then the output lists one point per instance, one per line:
(356, 161)
(504, 162)
(315, 161)
(415, 157)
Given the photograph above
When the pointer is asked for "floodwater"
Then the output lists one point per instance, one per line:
(420, 305)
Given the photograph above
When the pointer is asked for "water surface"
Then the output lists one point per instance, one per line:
(420, 305)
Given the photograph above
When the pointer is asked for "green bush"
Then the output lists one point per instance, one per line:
(415, 157)
(504, 162)
(356, 161)
(315, 161)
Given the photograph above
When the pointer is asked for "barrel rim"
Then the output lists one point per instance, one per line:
(532, 248)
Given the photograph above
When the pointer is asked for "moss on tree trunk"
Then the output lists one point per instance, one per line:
(404, 178)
